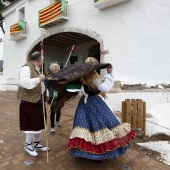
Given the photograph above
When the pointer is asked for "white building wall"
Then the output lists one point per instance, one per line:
(139, 42)
(136, 33)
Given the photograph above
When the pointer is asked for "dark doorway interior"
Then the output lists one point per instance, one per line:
(95, 52)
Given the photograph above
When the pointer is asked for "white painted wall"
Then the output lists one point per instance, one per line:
(137, 37)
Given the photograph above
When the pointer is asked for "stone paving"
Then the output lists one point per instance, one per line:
(13, 156)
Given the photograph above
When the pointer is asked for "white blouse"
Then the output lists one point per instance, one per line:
(106, 85)
(103, 85)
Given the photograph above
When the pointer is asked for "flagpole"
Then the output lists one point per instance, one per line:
(69, 56)
(42, 91)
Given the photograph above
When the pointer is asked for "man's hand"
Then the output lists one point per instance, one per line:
(41, 77)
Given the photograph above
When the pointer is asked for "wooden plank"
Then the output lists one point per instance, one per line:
(144, 119)
(137, 113)
(123, 112)
(140, 113)
(134, 113)
(128, 111)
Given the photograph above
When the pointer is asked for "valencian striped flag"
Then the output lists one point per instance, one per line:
(19, 26)
(51, 12)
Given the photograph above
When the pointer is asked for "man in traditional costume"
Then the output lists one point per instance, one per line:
(97, 133)
(30, 91)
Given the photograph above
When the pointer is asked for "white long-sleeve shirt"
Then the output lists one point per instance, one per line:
(103, 85)
(26, 81)
(106, 85)
(24, 78)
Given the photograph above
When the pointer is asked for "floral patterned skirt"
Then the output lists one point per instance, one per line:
(97, 133)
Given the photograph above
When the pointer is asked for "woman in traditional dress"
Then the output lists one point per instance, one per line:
(97, 133)
(52, 94)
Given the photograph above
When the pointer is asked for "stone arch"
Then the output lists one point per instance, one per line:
(87, 32)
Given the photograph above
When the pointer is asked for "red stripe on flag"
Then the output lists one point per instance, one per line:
(50, 18)
(42, 13)
(49, 7)
(49, 14)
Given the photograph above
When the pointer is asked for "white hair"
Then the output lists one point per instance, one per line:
(52, 65)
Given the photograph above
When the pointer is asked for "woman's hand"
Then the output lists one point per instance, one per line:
(55, 79)
(49, 78)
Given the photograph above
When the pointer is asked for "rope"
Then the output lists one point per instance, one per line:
(158, 125)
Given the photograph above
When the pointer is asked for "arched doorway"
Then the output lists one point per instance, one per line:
(58, 44)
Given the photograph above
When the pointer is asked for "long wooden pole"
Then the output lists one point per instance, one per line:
(69, 56)
(42, 91)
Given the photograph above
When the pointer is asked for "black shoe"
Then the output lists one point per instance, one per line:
(52, 132)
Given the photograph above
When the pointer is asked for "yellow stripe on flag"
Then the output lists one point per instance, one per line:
(49, 18)
(44, 23)
(14, 28)
(57, 5)
(50, 13)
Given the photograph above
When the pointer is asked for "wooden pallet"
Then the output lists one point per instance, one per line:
(134, 112)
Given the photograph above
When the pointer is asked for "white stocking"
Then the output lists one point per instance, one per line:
(36, 137)
(29, 137)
